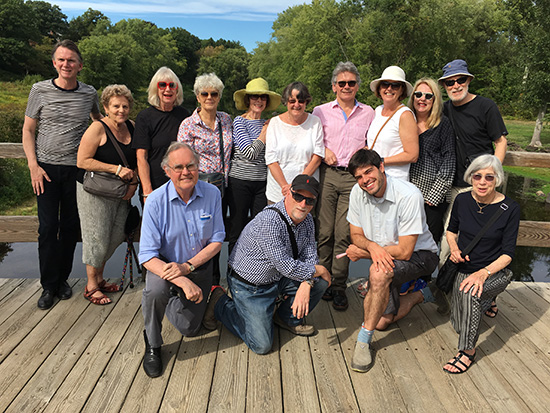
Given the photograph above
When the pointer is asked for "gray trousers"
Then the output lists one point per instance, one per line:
(185, 315)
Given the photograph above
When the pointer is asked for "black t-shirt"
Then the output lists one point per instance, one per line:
(499, 239)
(155, 131)
(476, 124)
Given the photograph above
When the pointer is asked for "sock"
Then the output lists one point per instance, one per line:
(365, 336)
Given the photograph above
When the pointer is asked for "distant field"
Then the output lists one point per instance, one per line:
(521, 132)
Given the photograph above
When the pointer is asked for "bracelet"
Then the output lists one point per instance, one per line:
(118, 170)
(488, 272)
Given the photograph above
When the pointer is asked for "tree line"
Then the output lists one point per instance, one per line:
(505, 42)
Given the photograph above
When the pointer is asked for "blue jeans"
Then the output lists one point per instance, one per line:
(249, 315)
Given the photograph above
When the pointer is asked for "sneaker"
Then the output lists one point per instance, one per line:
(209, 320)
(300, 330)
(363, 358)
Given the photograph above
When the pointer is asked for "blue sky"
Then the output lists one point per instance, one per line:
(248, 21)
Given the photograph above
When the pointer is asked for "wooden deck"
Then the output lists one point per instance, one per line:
(82, 357)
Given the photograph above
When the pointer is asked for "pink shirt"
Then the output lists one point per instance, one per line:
(344, 137)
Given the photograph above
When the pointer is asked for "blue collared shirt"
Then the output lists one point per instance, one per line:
(263, 253)
(178, 231)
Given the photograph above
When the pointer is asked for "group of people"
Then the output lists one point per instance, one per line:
(379, 183)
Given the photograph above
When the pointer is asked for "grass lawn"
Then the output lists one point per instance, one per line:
(521, 132)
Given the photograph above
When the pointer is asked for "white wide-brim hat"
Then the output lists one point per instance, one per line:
(257, 86)
(394, 73)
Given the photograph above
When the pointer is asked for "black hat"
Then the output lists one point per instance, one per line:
(306, 182)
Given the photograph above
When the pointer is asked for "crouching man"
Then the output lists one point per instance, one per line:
(182, 230)
(387, 225)
(275, 256)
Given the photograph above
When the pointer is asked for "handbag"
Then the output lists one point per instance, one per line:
(107, 184)
(447, 273)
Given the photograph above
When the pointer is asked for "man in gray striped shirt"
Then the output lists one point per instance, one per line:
(59, 108)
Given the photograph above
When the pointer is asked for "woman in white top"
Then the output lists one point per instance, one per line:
(393, 133)
(294, 143)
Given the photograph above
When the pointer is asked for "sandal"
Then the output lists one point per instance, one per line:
(106, 287)
(89, 295)
(457, 359)
(492, 311)
(362, 288)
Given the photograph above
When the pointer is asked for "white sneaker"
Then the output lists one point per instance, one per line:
(363, 358)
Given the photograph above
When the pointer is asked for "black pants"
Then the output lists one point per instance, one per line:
(434, 219)
(59, 225)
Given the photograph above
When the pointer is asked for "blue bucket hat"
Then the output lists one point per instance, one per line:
(456, 67)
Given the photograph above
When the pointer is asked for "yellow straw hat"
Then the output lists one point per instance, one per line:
(256, 86)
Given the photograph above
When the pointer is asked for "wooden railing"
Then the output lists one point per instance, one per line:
(531, 233)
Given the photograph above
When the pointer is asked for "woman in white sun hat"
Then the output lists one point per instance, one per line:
(393, 132)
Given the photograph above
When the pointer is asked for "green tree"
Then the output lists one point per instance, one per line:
(50, 20)
(83, 25)
(188, 46)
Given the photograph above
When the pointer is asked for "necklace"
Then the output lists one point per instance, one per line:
(481, 205)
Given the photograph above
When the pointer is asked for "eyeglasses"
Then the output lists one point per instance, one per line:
(394, 85)
(256, 97)
(428, 96)
(350, 83)
(488, 178)
(293, 101)
(164, 85)
(460, 81)
(191, 167)
(214, 95)
(299, 198)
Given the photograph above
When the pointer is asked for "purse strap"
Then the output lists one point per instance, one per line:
(109, 133)
(496, 215)
(385, 123)
(220, 131)
(293, 242)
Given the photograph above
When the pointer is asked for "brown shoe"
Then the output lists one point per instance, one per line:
(300, 330)
(209, 320)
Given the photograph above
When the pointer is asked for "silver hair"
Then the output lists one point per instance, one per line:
(163, 74)
(345, 67)
(174, 146)
(485, 162)
(116, 90)
(208, 81)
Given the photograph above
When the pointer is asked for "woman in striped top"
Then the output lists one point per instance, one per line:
(248, 174)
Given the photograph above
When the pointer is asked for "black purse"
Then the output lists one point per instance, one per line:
(447, 273)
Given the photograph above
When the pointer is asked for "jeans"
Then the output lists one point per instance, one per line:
(59, 225)
(249, 315)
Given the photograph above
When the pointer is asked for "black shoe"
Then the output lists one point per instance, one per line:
(340, 302)
(46, 299)
(152, 363)
(64, 292)
(327, 296)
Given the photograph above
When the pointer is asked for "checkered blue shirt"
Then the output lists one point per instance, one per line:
(263, 253)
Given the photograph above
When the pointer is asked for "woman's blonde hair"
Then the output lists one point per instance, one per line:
(437, 106)
(163, 74)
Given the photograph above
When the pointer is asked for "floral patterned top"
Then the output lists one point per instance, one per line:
(206, 141)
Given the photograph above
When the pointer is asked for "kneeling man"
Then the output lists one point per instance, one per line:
(387, 225)
(275, 256)
(182, 230)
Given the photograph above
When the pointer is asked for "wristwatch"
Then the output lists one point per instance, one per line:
(310, 282)
(191, 266)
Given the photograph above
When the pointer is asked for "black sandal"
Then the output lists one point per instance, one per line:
(457, 359)
(492, 311)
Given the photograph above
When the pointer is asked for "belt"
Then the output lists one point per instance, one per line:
(339, 168)
(234, 274)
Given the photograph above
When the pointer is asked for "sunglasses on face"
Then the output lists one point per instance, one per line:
(488, 178)
(256, 97)
(164, 85)
(350, 83)
(293, 101)
(214, 95)
(394, 85)
(299, 198)
(428, 96)
(460, 81)
(191, 167)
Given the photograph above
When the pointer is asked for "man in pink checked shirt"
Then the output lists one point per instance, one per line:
(345, 124)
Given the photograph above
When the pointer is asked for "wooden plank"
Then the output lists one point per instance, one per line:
(534, 234)
(534, 302)
(43, 385)
(21, 293)
(334, 385)
(542, 289)
(7, 285)
(527, 159)
(376, 389)
(228, 393)
(11, 150)
(191, 376)
(264, 390)
(146, 394)
(18, 228)
(19, 366)
(79, 383)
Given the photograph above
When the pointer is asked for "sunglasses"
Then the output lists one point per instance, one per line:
(488, 178)
(428, 96)
(214, 95)
(350, 83)
(164, 85)
(293, 101)
(256, 97)
(299, 198)
(460, 81)
(394, 85)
